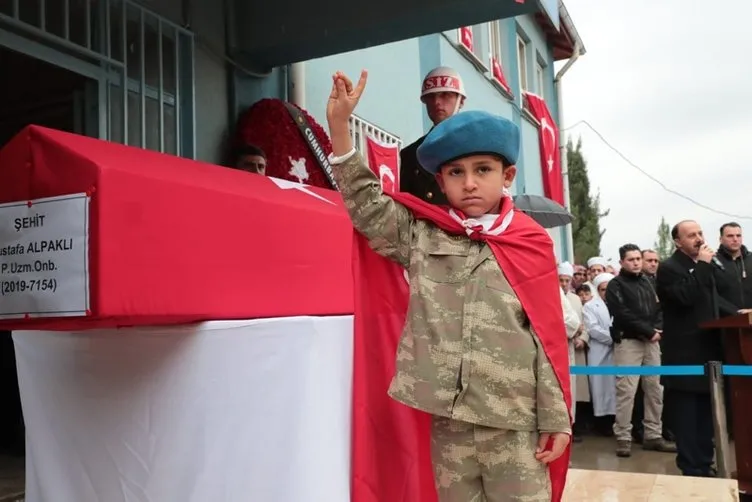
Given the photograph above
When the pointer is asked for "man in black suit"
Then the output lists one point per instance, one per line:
(688, 287)
(443, 93)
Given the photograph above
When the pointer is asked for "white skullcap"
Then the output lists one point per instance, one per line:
(601, 278)
(566, 268)
(597, 260)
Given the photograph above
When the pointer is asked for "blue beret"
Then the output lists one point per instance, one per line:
(469, 133)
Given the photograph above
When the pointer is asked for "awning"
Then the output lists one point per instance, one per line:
(280, 32)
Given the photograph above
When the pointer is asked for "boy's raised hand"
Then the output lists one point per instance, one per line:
(344, 97)
(559, 442)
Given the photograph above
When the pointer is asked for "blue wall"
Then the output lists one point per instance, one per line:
(392, 97)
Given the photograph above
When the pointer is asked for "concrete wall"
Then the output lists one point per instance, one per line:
(207, 21)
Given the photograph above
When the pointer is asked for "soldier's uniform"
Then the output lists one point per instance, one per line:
(467, 355)
(416, 180)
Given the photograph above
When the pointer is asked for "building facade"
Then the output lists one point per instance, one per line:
(498, 60)
(173, 75)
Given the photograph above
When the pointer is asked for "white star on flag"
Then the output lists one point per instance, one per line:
(291, 185)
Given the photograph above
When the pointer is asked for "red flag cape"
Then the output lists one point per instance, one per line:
(391, 458)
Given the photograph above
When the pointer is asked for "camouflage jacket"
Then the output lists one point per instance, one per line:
(467, 351)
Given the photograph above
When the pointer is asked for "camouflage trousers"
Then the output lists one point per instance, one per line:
(473, 463)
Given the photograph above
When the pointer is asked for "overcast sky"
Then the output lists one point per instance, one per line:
(669, 84)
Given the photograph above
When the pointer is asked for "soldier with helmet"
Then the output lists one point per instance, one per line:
(443, 93)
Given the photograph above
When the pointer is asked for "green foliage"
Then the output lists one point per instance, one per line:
(664, 245)
(586, 228)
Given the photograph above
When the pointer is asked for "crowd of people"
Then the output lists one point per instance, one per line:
(643, 312)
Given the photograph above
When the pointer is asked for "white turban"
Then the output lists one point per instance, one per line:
(566, 268)
(597, 260)
(601, 278)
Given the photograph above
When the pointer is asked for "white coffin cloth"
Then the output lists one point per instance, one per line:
(222, 411)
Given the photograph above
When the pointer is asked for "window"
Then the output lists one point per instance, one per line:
(361, 129)
(522, 62)
(540, 80)
(478, 43)
(470, 43)
(158, 71)
(149, 98)
(494, 37)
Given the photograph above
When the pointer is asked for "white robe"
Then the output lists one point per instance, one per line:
(572, 324)
(602, 387)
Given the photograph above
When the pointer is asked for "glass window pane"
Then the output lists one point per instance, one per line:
(151, 52)
(152, 124)
(133, 45)
(29, 12)
(168, 59)
(134, 119)
(6, 7)
(54, 17)
(170, 131)
(116, 30)
(78, 21)
(116, 113)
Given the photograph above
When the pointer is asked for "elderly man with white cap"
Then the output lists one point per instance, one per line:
(598, 325)
(576, 332)
(595, 265)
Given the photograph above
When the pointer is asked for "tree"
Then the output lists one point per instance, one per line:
(586, 229)
(664, 246)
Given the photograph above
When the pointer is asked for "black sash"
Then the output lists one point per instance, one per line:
(313, 143)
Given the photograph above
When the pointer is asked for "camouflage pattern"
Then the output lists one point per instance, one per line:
(467, 351)
(473, 463)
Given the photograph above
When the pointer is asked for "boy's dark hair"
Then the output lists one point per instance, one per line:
(248, 149)
(730, 224)
(626, 248)
(583, 288)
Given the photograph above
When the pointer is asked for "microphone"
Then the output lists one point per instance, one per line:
(715, 261)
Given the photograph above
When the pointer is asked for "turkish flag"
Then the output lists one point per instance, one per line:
(466, 37)
(553, 183)
(498, 74)
(384, 162)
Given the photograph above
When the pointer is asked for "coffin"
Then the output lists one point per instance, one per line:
(95, 234)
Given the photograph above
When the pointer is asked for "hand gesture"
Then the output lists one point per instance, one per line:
(656, 336)
(706, 253)
(344, 97)
(559, 442)
(579, 344)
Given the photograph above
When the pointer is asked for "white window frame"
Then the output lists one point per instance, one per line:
(494, 41)
(476, 55)
(540, 77)
(361, 129)
(522, 64)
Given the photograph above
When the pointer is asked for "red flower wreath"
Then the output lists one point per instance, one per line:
(268, 125)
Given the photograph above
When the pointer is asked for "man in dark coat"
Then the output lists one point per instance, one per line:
(688, 287)
(637, 318)
(737, 261)
(443, 93)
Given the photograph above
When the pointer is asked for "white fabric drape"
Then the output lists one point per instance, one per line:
(226, 411)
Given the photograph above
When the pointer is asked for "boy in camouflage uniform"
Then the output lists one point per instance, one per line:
(469, 354)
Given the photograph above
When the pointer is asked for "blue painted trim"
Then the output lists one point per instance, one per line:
(514, 82)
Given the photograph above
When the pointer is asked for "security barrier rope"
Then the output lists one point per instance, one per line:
(726, 369)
